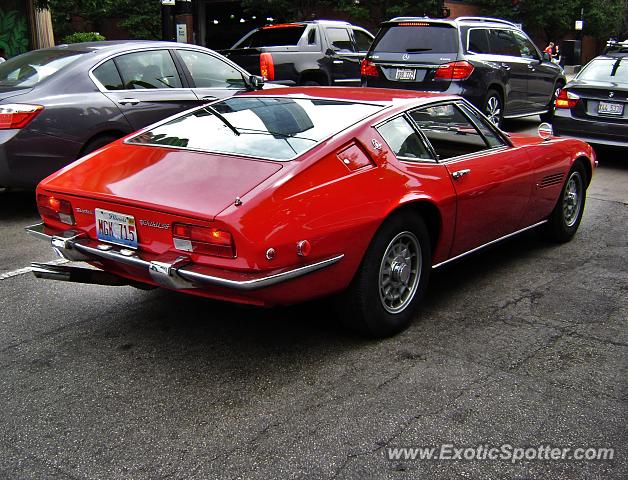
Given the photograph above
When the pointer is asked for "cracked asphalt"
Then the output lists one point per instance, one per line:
(523, 344)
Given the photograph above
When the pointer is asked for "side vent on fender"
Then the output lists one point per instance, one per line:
(550, 180)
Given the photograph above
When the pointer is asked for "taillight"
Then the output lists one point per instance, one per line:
(454, 71)
(17, 115)
(266, 66)
(368, 69)
(566, 99)
(203, 240)
(55, 208)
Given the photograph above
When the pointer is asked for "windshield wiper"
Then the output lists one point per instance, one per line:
(213, 111)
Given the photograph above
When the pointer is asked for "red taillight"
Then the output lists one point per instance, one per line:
(566, 99)
(56, 209)
(266, 66)
(368, 69)
(203, 240)
(454, 71)
(17, 115)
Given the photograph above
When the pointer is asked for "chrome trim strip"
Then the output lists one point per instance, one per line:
(520, 115)
(186, 271)
(487, 244)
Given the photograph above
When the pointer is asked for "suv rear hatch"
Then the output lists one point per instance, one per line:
(407, 54)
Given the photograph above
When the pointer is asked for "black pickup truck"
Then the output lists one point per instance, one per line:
(318, 52)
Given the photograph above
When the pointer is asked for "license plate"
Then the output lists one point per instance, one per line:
(608, 108)
(116, 228)
(405, 74)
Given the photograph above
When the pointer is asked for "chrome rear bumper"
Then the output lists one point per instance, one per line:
(171, 271)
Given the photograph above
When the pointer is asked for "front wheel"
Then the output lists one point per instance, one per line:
(494, 107)
(565, 218)
(385, 293)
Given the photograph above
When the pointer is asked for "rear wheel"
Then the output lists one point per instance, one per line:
(565, 218)
(385, 293)
(494, 107)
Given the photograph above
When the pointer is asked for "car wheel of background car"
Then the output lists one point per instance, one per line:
(384, 295)
(567, 214)
(494, 107)
(549, 115)
(97, 142)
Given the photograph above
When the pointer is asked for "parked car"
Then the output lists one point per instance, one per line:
(490, 62)
(298, 193)
(60, 103)
(320, 52)
(593, 105)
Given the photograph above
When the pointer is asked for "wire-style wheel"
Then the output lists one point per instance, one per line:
(399, 272)
(572, 199)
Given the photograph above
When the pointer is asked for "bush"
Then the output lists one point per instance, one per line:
(80, 37)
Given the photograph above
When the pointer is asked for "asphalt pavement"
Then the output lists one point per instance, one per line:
(524, 344)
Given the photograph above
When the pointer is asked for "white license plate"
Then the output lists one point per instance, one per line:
(116, 228)
(608, 108)
(405, 74)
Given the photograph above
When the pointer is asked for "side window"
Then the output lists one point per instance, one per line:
(503, 43)
(311, 36)
(491, 137)
(210, 72)
(449, 131)
(339, 39)
(478, 41)
(403, 139)
(362, 40)
(107, 74)
(150, 69)
(526, 48)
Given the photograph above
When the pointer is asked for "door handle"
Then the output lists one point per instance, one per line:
(338, 62)
(129, 101)
(209, 97)
(505, 66)
(460, 173)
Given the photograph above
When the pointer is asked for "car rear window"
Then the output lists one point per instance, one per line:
(275, 128)
(273, 36)
(27, 70)
(416, 37)
(606, 70)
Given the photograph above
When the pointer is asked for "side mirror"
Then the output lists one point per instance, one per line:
(256, 82)
(545, 131)
(547, 57)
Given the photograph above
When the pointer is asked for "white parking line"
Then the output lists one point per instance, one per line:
(22, 271)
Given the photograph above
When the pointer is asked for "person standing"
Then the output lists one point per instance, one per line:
(550, 50)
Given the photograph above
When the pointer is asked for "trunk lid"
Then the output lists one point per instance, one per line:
(182, 182)
(598, 99)
(7, 94)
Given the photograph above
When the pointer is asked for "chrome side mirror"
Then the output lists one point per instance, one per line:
(545, 131)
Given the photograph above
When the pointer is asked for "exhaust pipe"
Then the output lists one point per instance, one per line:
(66, 273)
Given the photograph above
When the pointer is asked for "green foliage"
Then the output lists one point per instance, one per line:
(13, 32)
(142, 18)
(602, 19)
(80, 37)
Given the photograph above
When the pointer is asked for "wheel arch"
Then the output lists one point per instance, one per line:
(428, 211)
(315, 76)
(112, 132)
(586, 163)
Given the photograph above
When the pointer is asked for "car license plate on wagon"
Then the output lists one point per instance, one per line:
(405, 74)
(608, 108)
(116, 228)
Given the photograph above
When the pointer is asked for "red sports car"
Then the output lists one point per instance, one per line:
(291, 194)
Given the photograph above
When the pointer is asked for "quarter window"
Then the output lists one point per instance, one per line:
(403, 140)
(109, 77)
(150, 69)
(208, 71)
(449, 131)
(478, 41)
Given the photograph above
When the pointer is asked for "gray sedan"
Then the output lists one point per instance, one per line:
(60, 103)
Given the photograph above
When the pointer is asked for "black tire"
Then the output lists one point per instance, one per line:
(399, 257)
(549, 115)
(565, 219)
(97, 142)
(493, 107)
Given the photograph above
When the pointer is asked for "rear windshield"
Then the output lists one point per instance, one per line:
(272, 36)
(276, 128)
(606, 70)
(29, 69)
(416, 37)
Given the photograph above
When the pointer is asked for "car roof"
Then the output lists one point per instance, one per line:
(455, 22)
(381, 96)
(112, 46)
